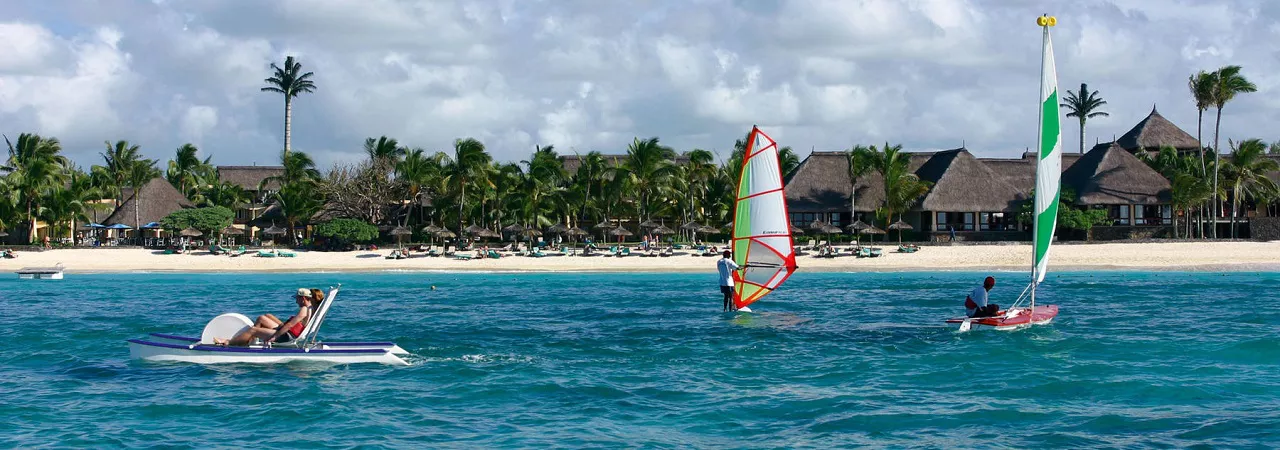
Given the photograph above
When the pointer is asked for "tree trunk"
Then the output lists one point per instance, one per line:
(137, 230)
(288, 124)
(1217, 166)
(1203, 170)
(1081, 135)
(1235, 206)
(31, 237)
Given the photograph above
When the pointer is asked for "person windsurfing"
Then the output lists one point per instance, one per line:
(976, 305)
(726, 266)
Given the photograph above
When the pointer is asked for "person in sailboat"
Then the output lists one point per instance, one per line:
(270, 329)
(726, 266)
(976, 304)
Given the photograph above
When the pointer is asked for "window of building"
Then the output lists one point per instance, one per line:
(954, 220)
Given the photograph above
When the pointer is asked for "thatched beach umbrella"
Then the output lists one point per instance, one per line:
(3, 234)
(232, 231)
(796, 230)
(190, 232)
(399, 233)
(872, 230)
(446, 234)
(273, 231)
(900, 225)
(691, 226)
(558, 228)
(857, 225)
(621, 233)
(532, 232)
(475, 229)
(573, 233)
(431, 229)
(662, 229)
(649, 224)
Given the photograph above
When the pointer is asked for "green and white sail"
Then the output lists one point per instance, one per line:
(1049, 166)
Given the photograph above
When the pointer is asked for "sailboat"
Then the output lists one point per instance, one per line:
(1048, 187)
(762, 245)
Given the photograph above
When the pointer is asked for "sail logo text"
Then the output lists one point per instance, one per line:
(772, 232)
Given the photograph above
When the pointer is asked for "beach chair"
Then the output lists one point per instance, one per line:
(237, 252)
(433, 252)
(626, 251)
(266, 254)
(217, 250)
(864, 252)
(286, 253)
(494, 254)
(875, 252)
(462, 256)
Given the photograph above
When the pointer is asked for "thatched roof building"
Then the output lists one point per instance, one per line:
(1154, 132)
(1110, 175)
(250, 177)
(158, 199)
(820, 184)
(1021, 173)
(963, 183)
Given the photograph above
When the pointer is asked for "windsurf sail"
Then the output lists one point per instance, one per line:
(761, 243)
(1049, 166)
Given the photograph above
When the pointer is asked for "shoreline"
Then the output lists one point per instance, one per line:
(1013, 257)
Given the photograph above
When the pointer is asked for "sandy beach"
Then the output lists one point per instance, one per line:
(1193, 256)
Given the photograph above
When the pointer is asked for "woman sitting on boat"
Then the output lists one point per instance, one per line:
(270, 329)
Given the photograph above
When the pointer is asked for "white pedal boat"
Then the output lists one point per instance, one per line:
(202, 350)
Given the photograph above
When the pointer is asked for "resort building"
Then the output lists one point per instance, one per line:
(251, 179)
(154, 201)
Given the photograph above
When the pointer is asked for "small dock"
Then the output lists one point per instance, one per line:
(41, 273)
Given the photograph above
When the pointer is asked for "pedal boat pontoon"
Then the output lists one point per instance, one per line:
(166, 347)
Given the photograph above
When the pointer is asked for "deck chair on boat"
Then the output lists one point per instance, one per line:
(312, 329)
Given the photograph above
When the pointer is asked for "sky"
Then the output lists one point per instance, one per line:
(587, 75)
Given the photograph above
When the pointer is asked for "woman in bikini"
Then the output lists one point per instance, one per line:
(270, 329)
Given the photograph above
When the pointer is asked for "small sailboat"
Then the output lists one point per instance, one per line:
(762, 244)
(202, 350)
(1048, 187)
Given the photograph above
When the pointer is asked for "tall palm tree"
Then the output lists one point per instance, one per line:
(69, 203)
(417, 175)
(298, 203)
(470, 162)
(384, 153)
(648, 167)
(120, 159)
(699, 172)
(298, 168)
(1228, 82)
(289, 81)
(187, 172)
(1201, 87)
(901, 187)
(861, 162)
(1084, 106)
(1247, 173)
(142, 172)
(34, 166)
(592, 169)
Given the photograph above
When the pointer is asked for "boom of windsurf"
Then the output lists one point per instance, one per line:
(1048, 187)
(762, 245)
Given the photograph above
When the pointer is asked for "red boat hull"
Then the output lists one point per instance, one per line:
(1041, 314)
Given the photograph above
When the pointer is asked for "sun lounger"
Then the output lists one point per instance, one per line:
(908, 249)
(462, 256)
(217, 249)
(626, 251)
(286, 253)
(266, 254)
(237, 252)
(494, 254)
(875, 252)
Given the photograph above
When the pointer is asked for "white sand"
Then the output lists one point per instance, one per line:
(1233, 256)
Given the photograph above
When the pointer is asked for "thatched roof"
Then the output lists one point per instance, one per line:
(1021, 173)
(820, 184)
(572, 162)
(963, 183)
(159, 199)
(1154, 132)
(1110, 175)
(250, 177)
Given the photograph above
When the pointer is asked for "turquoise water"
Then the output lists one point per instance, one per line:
(605, 360)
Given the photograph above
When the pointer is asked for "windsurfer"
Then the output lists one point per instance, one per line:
(976, 303)
(726, 267)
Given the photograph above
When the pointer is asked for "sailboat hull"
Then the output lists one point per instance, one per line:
(1041, 315)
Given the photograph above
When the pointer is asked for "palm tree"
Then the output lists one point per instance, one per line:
(298, 203)
(419, 175)
(384, 153)
(225, 194)
(1227, 83)
(290, 82)
(469, 166)
(901, 187)
(34, 166)
(590, 177)
(1247, 173)
(1201, 87)
(1188, 191)
(648, 167)
(699, 172)
(298, 168)
(787, 158)
(861, 162)
(68, 204)
(1084, 105)
(142, 172)
(187, 172)
(120, 159)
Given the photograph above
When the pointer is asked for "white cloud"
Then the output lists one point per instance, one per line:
(591, 75)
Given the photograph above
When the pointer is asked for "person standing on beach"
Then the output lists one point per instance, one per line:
(976, 305)
(726, 266)
(952, 231)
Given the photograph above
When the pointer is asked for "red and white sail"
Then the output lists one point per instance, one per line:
(761, 228)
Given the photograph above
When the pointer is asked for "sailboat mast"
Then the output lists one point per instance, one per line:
(1035, 223)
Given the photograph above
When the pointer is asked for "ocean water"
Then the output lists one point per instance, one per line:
(647, 360)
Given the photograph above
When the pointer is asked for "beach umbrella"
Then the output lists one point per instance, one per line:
(399, 233)
(872, 230)
(475, 229)
(796, 230)
(190, 232)
(662, 229)
(819, 226)
(231, 230)
(431, 229)
(607, 224)
(708, 229)
(273, 231)
(532, 232)
(446, 234)
(857, 225)
(513, 228)
(119, 226)
(621, 233)
(151, 225)
(3, 234)
(900, 225)
(690, 226)
(649, 224)
(575, 231)
(558, 228)
(95, 225)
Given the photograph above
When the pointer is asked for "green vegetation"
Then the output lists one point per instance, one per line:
(210, 220)
(346, 231)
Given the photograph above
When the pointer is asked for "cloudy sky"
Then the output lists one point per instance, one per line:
(592, 74)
